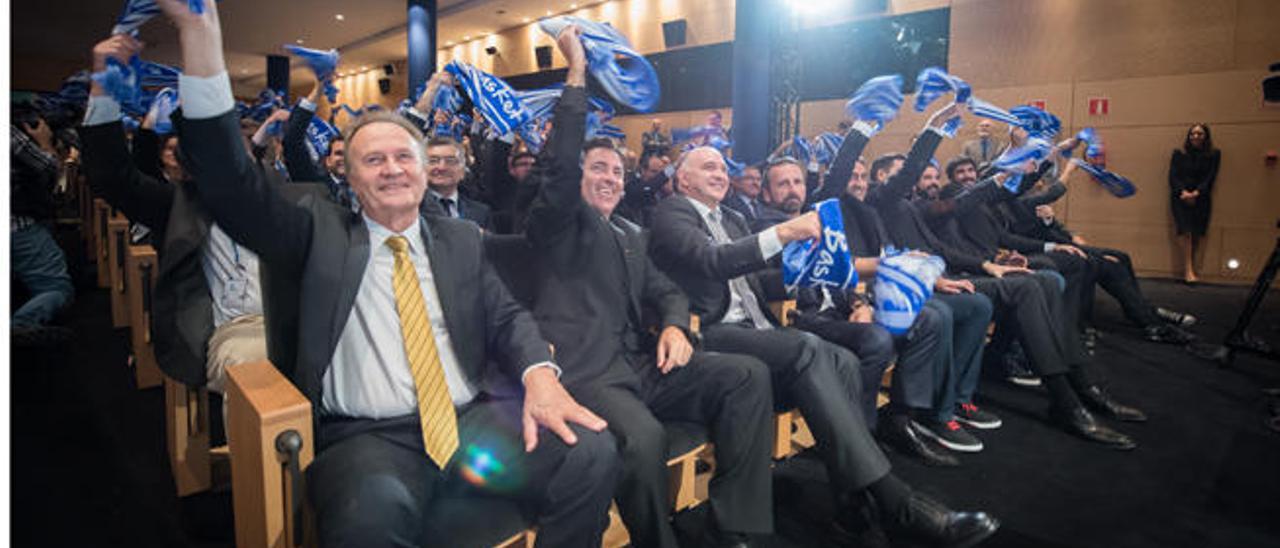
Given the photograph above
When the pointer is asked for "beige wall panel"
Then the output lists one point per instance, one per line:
(1150, 246)
(1234, 96)
(1143, 38)
(997, 43)
(1257, 33)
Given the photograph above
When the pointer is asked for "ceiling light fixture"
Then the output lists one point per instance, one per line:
(524, 19)
(573, 6)
(548, 13)
(300, 41)
(340, 17)
(467, 37)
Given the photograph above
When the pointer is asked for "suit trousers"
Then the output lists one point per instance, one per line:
(823, 381)
(1029, 308)
(728, 393)
(1081, 278)
(372, 484)
(963, 320)
(1115, 274)
(242, 339)
(912, 386)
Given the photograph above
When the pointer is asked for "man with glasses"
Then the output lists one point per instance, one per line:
(445, 169)
(744, 194)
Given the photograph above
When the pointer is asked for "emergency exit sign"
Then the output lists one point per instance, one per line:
(1099, 106)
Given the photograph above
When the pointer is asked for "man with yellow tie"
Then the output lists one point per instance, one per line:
(389, 321)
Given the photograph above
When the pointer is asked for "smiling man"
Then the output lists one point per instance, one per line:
(594, 283)
(398, 338)
(723, 268)
(446, 166)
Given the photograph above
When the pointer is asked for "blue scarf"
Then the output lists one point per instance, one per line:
(1117, 185)
(323, 63)
(934, 82)
(138, 12)
(825, 262)
(493, 97)
(877, 100)
(1013, 159)
(164, 104)
(903, 283)
(319, 133)
(623, 73)
(1036, 122)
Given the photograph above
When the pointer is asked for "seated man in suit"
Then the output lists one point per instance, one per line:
(745, 196)
(1027, 306)
(962, 315)
(844, 318)
(446, 167)
(595, 282)
(208, 301)
(709, 251)
(404, 340)
(1031, 216)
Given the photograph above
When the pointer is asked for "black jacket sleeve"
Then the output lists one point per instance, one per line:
(558, 218)
(678, 237)
(249, 209)
(146, 152)
(1049, 195)
(296, 158)
(900, 185)
(143, 198)
(842, 166)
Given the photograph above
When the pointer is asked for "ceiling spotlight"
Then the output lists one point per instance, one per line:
(362, 69)
(573, 6)
(340, 17)
(300, 41)
(548, 13)
(449, 43)
(1233, 264)
(524, 19)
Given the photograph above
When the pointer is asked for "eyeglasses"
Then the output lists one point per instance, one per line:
(446, 160)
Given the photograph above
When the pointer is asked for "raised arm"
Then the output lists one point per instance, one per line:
(142, 197)
(846, 159)
(899, 186)
(237, 195)
(302, 168)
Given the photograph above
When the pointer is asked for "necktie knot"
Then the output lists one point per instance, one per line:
(398, 244)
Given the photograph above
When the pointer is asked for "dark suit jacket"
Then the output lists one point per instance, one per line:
(682, 246)
(766, 216)
(468, 209)
(597, 274)
(738, 202)
(294, 146)
(314, 253)
(183, 308)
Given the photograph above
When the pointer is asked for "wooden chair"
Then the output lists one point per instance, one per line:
(101, 216)
(141, 267)
(117, 265)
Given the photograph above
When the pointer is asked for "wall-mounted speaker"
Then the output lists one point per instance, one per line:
(388, 69)
(543, 55)
(384, 85)
(673, 33)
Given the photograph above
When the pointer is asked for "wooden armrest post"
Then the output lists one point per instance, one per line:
(142, 266)
(98, 253)
(262, 404)
(187, 428)
(117, 251)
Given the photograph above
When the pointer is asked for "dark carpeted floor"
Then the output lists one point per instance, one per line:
(89, 466)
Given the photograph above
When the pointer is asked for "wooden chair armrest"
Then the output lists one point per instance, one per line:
(261, 405)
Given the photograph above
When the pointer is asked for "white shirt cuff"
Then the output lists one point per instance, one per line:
(204, 98)
(1049, 246)
(770, 244)
(867, 129)
(102, 109)
(529, 369)
(306, 104)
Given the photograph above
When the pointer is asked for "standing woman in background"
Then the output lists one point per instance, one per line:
(1192, 172)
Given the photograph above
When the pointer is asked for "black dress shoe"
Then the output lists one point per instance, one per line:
(1099, 400)
(904, 439)
(1080, 422)
(926, 521)
(1170, 334)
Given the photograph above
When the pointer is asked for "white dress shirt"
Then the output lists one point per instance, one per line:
(230, 270)
(769, 244)
(369, 376)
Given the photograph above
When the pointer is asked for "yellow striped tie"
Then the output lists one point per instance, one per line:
(435, 407)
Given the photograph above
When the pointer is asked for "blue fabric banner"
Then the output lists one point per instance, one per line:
(904, 281)
(876, 100)
(825, 262)
(323, 63)
(623, 73)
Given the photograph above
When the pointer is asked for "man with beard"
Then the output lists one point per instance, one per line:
(844, 318)
(1028, 307)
